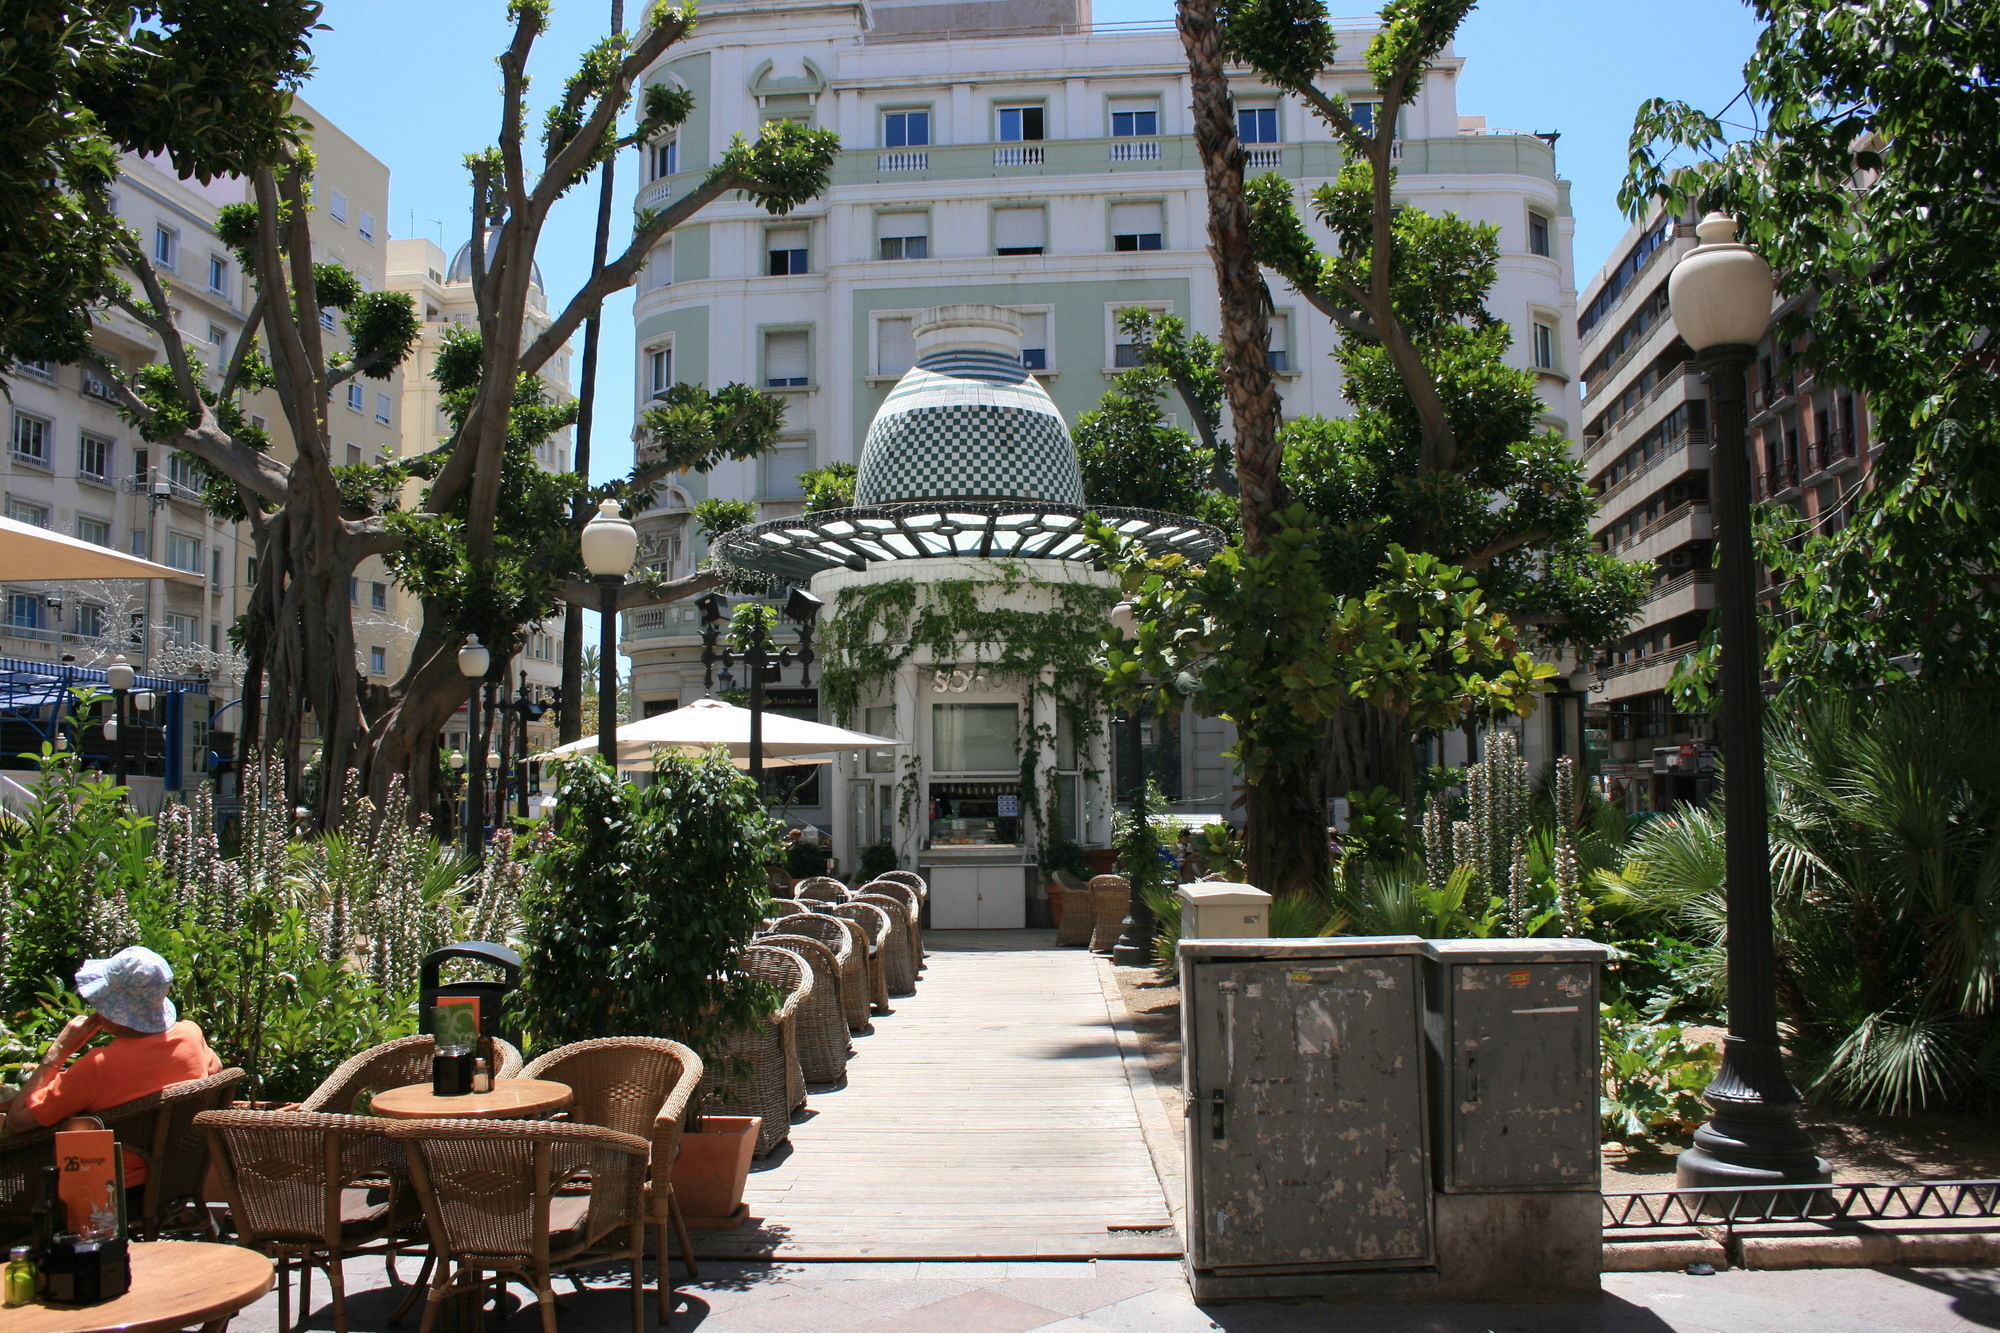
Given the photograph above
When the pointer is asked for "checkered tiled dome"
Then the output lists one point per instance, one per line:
(967, 421)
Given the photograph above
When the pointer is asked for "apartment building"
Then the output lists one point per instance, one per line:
(1646, 448)
(1018, 156)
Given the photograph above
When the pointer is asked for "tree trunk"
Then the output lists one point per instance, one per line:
(1284, 831)
(1366, 748)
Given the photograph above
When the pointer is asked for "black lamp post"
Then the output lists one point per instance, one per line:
(473, 660)
(522, 709)
(610, 545)
(1135, 943)
(120, 677)
(766, 662)
(1720, 295)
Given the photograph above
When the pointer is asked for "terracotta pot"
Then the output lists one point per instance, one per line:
(1103, 860)
(713, 1168)
(1053, 892)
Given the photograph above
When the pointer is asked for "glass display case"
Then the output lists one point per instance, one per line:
(975, 814)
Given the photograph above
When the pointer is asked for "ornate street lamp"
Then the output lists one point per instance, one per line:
(610, 544)
(1135, 943)
(120, 677)
(473, 659)
(1720, 294)
(766, 663)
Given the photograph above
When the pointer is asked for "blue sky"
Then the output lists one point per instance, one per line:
(414, 83)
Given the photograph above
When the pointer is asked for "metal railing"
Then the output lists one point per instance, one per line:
(1839, 1206)
(1672, 449)
(1693, 578)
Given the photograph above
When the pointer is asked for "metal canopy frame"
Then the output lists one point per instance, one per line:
(792, 550)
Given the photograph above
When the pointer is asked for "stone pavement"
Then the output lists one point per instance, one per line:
(1148, 1296)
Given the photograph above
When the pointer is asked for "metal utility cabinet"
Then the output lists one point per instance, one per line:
(1216, 910)
(1304, 1077)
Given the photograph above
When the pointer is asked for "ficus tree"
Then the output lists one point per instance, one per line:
(1441, 461)
(1866, 178)
(485, 545)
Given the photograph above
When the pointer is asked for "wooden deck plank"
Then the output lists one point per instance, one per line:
(987, 1117)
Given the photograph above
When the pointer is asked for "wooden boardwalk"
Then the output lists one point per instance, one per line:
(988, 1117)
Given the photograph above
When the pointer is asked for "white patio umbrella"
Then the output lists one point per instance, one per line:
(706, 723)
(29, 554)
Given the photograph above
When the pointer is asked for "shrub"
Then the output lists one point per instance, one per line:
(876, 858)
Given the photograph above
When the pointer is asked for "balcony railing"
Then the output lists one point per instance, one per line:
(1672, 449)
(1680, 583)
(1665, 521)
(915, 160)
(1831, 452)
(1018, 155)
(1263, 157)
(1135, 150)
(1775, 481)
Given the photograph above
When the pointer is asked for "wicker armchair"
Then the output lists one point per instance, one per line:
(913, 907)
(876, 927)
(393, 1064)
(1110, 899)
(756, 1071)
(499, 1197)
(638, 1086)
(897, 959)
(822, 1025)
(1076, 914)
(159, 1128)
(849, 944)
(777, 907)
(310, 1190)
(911, 878)
(822, 891)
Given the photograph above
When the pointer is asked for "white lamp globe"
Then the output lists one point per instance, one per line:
(473, 659)
(1125, 620)
(1720, 291)
(120, 675)
(142, 700)
(610, 542)
(1581, 679)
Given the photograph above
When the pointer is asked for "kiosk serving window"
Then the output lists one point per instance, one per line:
(975, 738)
(968, 739)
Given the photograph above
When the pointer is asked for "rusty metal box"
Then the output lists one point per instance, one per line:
(1511, 1035)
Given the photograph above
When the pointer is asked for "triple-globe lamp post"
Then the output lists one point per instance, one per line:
(1720, 295)
(473, 661)
(1135, 943)
(610, 545)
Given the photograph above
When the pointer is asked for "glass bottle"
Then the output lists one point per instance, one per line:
(20, 1279)
(482, 1078)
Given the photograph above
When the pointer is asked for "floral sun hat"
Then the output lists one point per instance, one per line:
(129, 989)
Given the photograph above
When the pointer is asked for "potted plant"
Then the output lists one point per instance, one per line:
(646, 896)
(1061, 854)
(877, 857)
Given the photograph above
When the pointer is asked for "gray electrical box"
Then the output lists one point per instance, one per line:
(1511, 1029)
(1307, 1141)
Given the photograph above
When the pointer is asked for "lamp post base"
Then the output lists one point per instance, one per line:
(1135, 942)
(1754, 1137)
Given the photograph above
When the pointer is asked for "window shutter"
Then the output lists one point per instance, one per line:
(785, 357)
(1034, 329)
(895, 346)
(904, 224)
(1135, 219)
(1019, 228)
(786, 238)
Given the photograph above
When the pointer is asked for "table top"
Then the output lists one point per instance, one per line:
(176, 1284)
(511, 1099)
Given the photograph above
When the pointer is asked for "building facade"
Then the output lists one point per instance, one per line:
(1646, 448)
(1021, 157)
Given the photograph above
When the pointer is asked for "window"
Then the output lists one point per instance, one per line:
(779, 468)
(27, 511)
(93, 530)
(378, 661)
(326, 316)
(142, 466)
(354, 592)
(1019, 124)
(1034, 339)
(974, 738)
(336, 205)
(1279, 356)
(1257, 124)
(366, 225)
(382, 408)
(141, 544)
(166, 246)
(356, 396)
(24, 610)
(1134, 117)
(660, 266)
(1020, 231)
(1545, 346)
(659, 371)
(219, 337)
(183, 631)
(785, 359)
(895, 344)
(250, 569)
(1363, 115)
(665, 158)
(90, 620)
(787, 249)
(184, 552)
(41, 370)
(880, 720)
(1136, 226)
(378, 596)
(1125, 355)
(93, 458)
(353, 454)
(903, 236)
(215, 569)
(906, 129)
(218, 276)
(31, 440)
(1538, 235)
(183, 473)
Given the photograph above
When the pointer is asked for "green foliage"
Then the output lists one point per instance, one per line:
(876, 858)
(1868, 179)
(829, 487)
(1063, 854)
(690, 429)
(647, 897)
(787, 165)
(713, 517)
(804, 859)
(1376, 829)
(1142, 843)
(1653, 1078)
(1377, 897)
(1130, 457)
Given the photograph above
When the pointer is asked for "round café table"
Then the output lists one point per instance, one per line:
(176, 1284)
(511, 1099)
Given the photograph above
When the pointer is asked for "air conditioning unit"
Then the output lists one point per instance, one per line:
(1679, 560)
(1679, 492)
